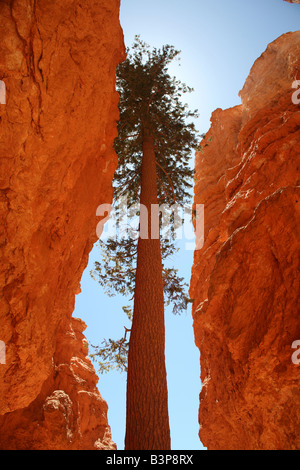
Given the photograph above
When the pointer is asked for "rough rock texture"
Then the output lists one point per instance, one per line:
(245, 279)
(58, 62)
(69, 412)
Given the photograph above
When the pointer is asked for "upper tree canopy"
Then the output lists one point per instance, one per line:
(150, 101)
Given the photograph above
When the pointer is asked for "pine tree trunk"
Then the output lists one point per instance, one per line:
(147, 421)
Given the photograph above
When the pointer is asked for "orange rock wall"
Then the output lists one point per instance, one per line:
(58, 62)
(245, 279)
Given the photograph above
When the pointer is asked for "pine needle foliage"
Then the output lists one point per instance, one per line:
(148, 98)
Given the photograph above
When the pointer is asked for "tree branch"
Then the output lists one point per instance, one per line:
(131, 181)
(129, 136)
(169, 178)
(152, 96)
(123, 341)
(161, 182)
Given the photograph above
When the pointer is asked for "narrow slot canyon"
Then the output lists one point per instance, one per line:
(233, 357)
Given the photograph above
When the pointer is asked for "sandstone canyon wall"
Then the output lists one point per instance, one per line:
(58, 61)
(245, 279)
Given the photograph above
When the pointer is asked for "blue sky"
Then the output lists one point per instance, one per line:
(219, 42)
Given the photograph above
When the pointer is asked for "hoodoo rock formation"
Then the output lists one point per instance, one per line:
(245, 279)
(58, 63)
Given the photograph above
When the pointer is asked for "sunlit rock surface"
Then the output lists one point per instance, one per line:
(58, 63)
(245, 279)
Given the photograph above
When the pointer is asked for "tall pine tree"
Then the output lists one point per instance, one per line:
(154, 145)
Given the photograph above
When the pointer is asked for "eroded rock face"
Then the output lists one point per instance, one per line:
(69, 412)
(245, 279)
(58, 62)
